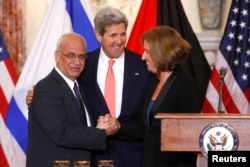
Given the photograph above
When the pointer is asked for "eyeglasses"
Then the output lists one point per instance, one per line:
(72, 55)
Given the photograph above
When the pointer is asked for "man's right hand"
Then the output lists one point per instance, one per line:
(29, 96)
(109, 124)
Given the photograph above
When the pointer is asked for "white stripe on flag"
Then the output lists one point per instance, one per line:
(6, 81)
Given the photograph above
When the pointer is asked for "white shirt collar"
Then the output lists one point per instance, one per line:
(105, 59)
(67, 80)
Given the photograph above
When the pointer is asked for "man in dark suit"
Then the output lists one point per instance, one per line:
(58, 128)
(131, 77)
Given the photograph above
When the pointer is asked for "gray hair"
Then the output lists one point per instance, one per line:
(108, 16)
(64, 36)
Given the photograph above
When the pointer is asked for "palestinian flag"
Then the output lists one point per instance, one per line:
(171, 13)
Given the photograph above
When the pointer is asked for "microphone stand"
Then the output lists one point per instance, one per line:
(223, 71)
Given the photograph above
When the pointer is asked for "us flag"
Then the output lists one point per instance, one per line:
(234, 55)
(8, 80)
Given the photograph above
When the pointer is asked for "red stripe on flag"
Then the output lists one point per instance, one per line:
(3, 161)
(3, 104)
(228, 101)
(247, 94)
(146, 19)
(207, 107)
(12, 70)
(215, 77)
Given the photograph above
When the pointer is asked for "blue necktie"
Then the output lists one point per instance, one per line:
(80, 102)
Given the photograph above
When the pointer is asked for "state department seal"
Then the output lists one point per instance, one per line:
(218, 136)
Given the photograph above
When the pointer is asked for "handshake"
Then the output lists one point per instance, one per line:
(110, 124)
(107, 122)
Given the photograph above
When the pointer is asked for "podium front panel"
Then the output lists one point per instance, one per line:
(181, 132)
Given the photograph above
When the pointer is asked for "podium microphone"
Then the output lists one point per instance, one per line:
(223, 71)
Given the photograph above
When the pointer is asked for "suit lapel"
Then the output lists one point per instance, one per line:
(92, 66)
(62, 83)
(130, 81)
(65, 87)
(163, 92)
(92, 74)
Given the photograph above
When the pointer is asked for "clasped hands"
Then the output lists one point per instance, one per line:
(110, 124)
(107, 122)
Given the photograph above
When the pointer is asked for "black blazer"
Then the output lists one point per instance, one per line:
(55, 125)
(180, 94)
(136, 76)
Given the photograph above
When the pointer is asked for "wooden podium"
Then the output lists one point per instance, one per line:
(181, 132)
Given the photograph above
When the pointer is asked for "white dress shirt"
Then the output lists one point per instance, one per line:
(71, 85)
(118, 68)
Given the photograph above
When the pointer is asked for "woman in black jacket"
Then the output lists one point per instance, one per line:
(171, 91)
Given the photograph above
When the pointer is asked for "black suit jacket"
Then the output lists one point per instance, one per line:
(55, 125)
(180, 94)
(128, 141)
